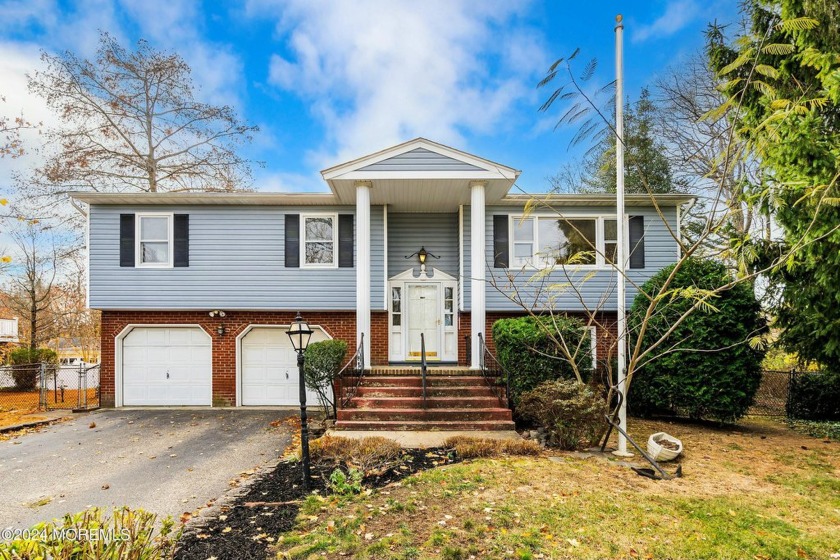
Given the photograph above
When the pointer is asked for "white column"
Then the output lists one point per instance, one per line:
(477, 271)
(363, 266)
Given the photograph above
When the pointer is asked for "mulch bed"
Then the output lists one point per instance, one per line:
(246, 528)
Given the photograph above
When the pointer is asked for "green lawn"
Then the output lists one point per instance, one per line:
(758, 491)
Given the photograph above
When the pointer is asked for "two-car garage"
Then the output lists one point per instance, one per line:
(173, 366)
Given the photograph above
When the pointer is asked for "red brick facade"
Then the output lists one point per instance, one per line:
(338, 324)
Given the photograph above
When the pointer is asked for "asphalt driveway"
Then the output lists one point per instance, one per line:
(167, 461)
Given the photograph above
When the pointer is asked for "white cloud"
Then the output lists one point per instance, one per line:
(678, 14)
(415, 69)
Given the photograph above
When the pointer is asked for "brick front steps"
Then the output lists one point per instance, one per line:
(391, 398)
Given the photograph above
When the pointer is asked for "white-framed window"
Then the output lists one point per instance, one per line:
(396, 306)
(319, 240)
(546, 241)
(154, 240)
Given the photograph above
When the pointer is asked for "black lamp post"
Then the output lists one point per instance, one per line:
(300, 333)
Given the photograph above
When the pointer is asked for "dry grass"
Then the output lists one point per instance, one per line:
(472, 447)
(365, 454)
(757, 491)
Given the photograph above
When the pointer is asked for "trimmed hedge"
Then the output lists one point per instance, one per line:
(714, 373)
(26, 378)
(814, 396)
(571, 413)
(527, 352)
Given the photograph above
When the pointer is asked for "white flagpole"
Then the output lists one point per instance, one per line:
(620, 224)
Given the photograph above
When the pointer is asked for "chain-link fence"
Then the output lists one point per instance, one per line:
(31, 387)
(772, 394)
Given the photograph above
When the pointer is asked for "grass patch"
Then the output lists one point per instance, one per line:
(748, 492)
(472, 447)
(819, 429)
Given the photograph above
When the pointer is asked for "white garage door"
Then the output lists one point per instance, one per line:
(269, 368)
(169, 366)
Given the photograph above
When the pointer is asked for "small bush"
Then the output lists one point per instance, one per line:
(525, 348)
(706, 367)
(28, 368)
(571, 413)
(471, 447)
(94, 536)
(345, 484)
(814, 396)
(323, 362)
(367, 454)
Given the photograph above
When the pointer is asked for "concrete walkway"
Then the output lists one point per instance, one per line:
(421, 439)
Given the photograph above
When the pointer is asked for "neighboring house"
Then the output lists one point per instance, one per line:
(196, 289)
(9, 331)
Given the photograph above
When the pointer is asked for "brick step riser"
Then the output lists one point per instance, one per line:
(416, 371)
(428, 415)
(431, 402)
(406, 426)
(372, 392)
(412, 381)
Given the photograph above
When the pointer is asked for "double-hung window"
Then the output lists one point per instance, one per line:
(319, 239)
(546, 241)
(154, 240)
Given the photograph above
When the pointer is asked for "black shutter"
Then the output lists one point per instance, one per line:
(345, 240)
(501, 242)
(127, 240)
(182, 240)
(637, 241)
(292, 240)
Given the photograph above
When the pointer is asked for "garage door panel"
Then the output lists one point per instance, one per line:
(170, 366)
(269, 368)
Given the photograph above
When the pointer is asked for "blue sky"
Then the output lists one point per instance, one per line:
(328, 81)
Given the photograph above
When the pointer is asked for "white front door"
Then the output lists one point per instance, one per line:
(167, 366)
(423, 318)
(269, 368)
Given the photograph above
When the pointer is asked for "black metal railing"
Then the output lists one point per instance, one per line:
(355, 369)
(423, 365)
(494, 373)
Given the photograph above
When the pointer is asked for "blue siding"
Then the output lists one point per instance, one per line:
(420, 159)
(438, 233)
(237, 259)
(595, 287)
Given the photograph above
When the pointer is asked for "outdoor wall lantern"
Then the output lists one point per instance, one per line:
(221, 330)
(300, 333)
(422, 255)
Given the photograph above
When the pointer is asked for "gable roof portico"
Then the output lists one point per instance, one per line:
(420, 176)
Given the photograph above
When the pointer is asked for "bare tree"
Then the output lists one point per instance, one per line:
(130, 122)
(32, 281)
(75, 322)
(704, 152)
(11, 144)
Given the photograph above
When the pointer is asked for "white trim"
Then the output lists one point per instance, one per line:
(302, 225)
(348, 169)
(386, 295)
(461, 257)
(679, 232)
(600, 246)
(593, 342)
(138, 240)
(118, 354)
(478, 231)
(87, 259)
(242, 335)
(467, 175)
(404, 281)
(363, 262)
